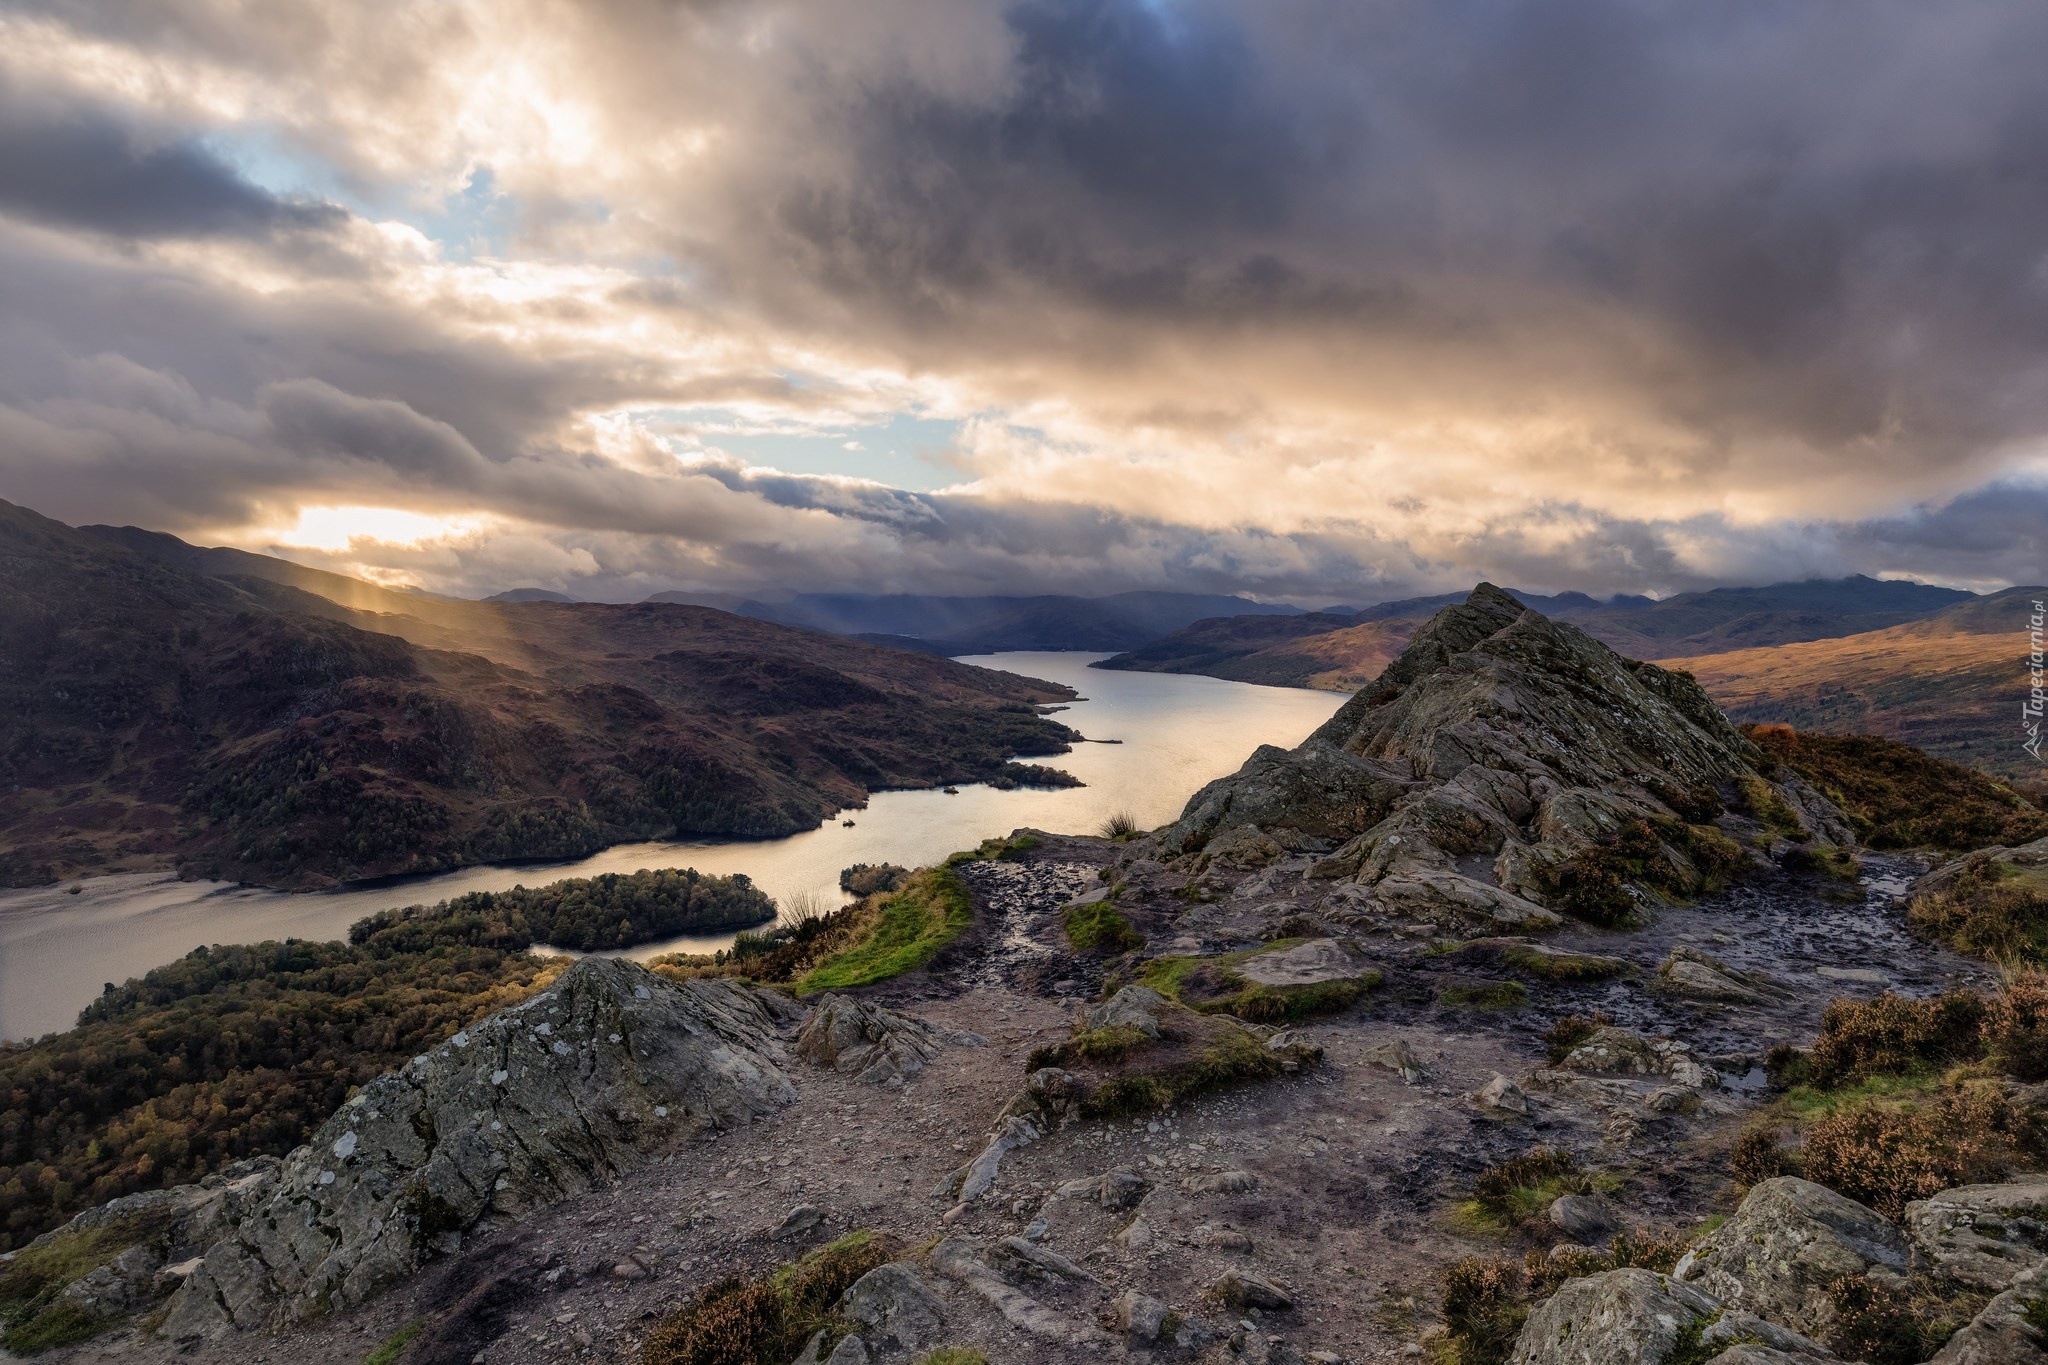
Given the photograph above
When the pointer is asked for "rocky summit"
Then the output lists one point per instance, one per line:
(1482, 777)
(1526, 1014)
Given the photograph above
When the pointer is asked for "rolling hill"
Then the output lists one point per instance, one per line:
(242, 717)
(987, 625)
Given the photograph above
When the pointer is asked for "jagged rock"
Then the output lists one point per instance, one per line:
(1241, 1289)
(1308, 963)
(1983, 1235)
(978, 1177)
(532, 1104)
(1134, 1007)
(1788, 1242)
(1615, 1049)
(1585, 1218)
(1696, 976)
(1243, 846)
(797, 1222)
(1136, 1235)
(1498, 746)
(165, 1229)
(1117, 1189)
(1140, 1315)
(874, 1045)
(961, 1259)
(2001, 1333)
(1397, 1056)
(1500, 1098)
(894, 1306)
(1016, 1259)
(1220, 1182)
(1638, 1317)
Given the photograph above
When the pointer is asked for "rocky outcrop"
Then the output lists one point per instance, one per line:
(1985, 1236)
(1695, 975)
(1638, 1317)
(874, 1045)
(1487, 775)
(1785, 1246)
(2003, 1331)
(534, 1103)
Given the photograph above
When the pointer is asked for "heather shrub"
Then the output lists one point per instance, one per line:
(1895, 1035)
(1897, 1324)
(764, 1321)
(1988, 915)
(1522, 1187)
(1484, 1306)
(1757, 1157)
(1567, 1033)
(1887, 1156)
(2016, 1026)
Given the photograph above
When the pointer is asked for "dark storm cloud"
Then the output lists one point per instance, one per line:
(67, 163)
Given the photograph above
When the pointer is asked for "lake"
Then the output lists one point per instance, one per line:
(58, 946)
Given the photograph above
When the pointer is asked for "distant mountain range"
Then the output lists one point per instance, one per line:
(1936, 667)
(238, 716)
(989, 625)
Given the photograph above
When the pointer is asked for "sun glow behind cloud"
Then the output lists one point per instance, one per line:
(338, 529)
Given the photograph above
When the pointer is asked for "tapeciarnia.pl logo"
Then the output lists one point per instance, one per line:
(2030, 710)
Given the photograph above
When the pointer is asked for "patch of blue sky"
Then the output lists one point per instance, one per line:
(905, 451)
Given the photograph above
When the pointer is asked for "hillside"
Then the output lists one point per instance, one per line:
(1950, 684)
(987, 625)
(235, 716)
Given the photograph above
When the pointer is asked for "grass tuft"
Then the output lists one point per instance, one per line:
(393, 1346)
(765, 1321)
(1100, 927)
(910, 929)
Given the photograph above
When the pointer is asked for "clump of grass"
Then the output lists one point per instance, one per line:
(1107, 1045)
(1099, 926)
(1232, 1057)
(1485, 1302)
(994, 850)
(954, 1355)
(2016, 1026)
(765, 1321)
(1761, 799)
(1886, 1155)
(394, 1345)
(1514, 1191)
(1494, 995)
(1212, 985)
(908, 930)
(1564, 966)
(1562, 1038)
(1896, 1035)
(1120, 826)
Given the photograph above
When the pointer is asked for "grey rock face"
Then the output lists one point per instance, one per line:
(872, 1044)
(1585, 1218)
(166, 1229)
(1621, 1317)
(1311, 962)
(1984, 1235)
(1117, 1189)
(1788, 1242)
(1397, 1056)
(1134, 1007)
(1696, 976)
(894, 1306)
(1141, 1315)
(1500, 1098)
(962, 1259)
(1497, 746)
(1241, 1289)
(532, 1104)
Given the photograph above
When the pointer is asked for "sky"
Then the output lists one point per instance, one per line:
(1314, 300)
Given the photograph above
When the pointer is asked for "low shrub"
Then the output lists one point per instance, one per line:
(1757, 1156)
(1485, 1302)
(2016, 1026)
(1988, 915)
(1493, 995)
(1896, 1035)
(1100, 927)
(1119, 826)
(1514, 1191)
(1897, 1324)
(765, 1321)
(1233, 1057)
(1108, 1045)
(1562, 1037)
(909, 929)
(1887, 1155)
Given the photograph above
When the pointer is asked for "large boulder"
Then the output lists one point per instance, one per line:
(1638, 1317)
(537, 1102)
(1789, 1241)
(873, 1044)
(1983, 1235)
(1496, 750)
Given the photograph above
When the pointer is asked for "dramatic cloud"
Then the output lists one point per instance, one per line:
(1316, 299)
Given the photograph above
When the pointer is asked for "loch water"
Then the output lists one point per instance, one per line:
(58, 945)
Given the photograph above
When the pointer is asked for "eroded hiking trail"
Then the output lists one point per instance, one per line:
(1333, 1184)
